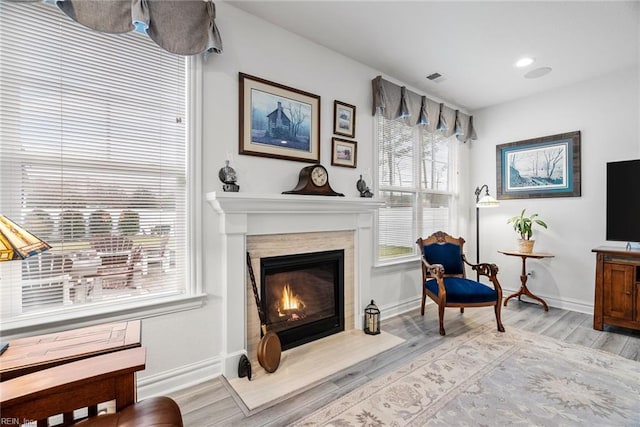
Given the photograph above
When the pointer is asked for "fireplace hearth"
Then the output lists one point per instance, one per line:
(303, 295)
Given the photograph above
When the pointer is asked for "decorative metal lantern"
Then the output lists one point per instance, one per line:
(371, 319)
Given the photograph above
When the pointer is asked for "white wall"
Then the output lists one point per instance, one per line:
(606, 112)
(184, 346)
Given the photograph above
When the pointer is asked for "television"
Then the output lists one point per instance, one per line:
(623, 201)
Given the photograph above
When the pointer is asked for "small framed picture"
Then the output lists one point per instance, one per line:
(344, 152)
(344, 119)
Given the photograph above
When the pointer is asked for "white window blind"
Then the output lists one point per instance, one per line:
(415, 178)
(92, 160)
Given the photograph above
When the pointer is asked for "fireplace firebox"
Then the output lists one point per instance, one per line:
(303, 295)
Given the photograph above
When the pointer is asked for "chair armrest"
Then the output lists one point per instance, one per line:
(434, 270)
(484, 269)
(65, 388)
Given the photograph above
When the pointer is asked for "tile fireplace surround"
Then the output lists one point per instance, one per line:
(269, 225)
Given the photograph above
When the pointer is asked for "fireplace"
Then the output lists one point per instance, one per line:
(303, 295)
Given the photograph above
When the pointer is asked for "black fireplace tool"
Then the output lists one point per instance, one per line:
(244, 367)
(269, 347)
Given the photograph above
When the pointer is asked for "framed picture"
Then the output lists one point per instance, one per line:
(344, 152)
(344, 119)
(539, 167)
(278, 121)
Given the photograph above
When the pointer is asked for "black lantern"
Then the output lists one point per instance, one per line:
(371, 319)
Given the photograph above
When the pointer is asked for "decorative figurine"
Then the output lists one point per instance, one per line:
(228, 176)
(363, 189)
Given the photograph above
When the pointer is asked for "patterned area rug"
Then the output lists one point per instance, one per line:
(487, 378)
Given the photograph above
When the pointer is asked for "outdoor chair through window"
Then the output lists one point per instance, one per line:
(45, 281)
(119, 259)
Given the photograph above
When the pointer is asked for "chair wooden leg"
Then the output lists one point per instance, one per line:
(424, 299)
(462, 310)
(497, 308)
(441, 317)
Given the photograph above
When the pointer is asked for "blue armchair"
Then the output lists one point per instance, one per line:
(444, 279)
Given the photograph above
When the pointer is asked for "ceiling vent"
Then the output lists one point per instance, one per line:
(436, 77)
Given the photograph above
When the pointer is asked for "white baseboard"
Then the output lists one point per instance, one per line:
(179, 378)
(400, 307)
(409, 304)
(564, 303)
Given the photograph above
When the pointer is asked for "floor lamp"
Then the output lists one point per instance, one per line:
(17, 243)
(485, 201)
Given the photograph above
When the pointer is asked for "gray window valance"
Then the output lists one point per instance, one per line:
(397, 102)
(183, 27)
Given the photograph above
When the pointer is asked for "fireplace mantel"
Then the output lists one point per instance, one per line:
(245, 214)
(288, 203)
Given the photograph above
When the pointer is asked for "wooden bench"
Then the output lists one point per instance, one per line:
(63, 389)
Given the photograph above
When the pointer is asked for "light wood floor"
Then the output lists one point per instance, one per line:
(212, 404)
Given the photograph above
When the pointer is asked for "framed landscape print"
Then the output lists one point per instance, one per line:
(278, 121)
(344, 152)
(539, 167)
(344, 119)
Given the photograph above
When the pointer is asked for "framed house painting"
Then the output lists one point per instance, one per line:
(539, 167)
(344, 152)
(278, 121)
(344, 119)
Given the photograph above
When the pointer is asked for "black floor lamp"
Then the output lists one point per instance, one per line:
(485, 201)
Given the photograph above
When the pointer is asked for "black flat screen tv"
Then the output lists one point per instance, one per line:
(623, 201)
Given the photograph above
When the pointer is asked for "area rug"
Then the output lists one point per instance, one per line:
(487, 378)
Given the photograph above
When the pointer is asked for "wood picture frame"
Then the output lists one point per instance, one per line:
(344, 152)
(540, 167)
(344, 119)
(278, 121)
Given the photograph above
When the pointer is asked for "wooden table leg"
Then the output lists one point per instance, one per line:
(517, 294)
(525, 291)
(523, 287)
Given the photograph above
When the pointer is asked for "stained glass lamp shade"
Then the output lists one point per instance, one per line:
(18, 243)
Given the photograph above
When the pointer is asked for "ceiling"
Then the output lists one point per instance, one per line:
(473, 44)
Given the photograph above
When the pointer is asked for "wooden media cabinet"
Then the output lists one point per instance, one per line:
(617, 293)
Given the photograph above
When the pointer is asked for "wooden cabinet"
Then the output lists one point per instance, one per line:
(617, 294)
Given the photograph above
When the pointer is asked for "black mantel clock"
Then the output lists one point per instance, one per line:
(313, 180)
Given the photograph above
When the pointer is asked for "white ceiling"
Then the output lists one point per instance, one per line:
(474, 44)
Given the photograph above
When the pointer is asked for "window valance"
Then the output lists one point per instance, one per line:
(183, 27)
(396, 102)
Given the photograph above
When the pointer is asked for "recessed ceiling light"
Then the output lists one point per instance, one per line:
(538, 72)
(524, 62)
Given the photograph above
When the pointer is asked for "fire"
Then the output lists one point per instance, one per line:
(289, 300)
(290, 305)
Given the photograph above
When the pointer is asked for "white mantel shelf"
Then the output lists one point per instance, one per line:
(229, 203)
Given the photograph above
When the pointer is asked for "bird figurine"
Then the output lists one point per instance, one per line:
(361, 185)
(228, 176)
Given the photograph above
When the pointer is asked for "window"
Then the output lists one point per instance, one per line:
(416, 179)
(93, 159)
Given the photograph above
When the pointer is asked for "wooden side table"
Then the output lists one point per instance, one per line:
(32, 354)
(523, 276)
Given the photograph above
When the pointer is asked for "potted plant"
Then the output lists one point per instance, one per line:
(523, 226)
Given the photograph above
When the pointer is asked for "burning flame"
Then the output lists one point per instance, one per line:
(290, 305)
(289, 300)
